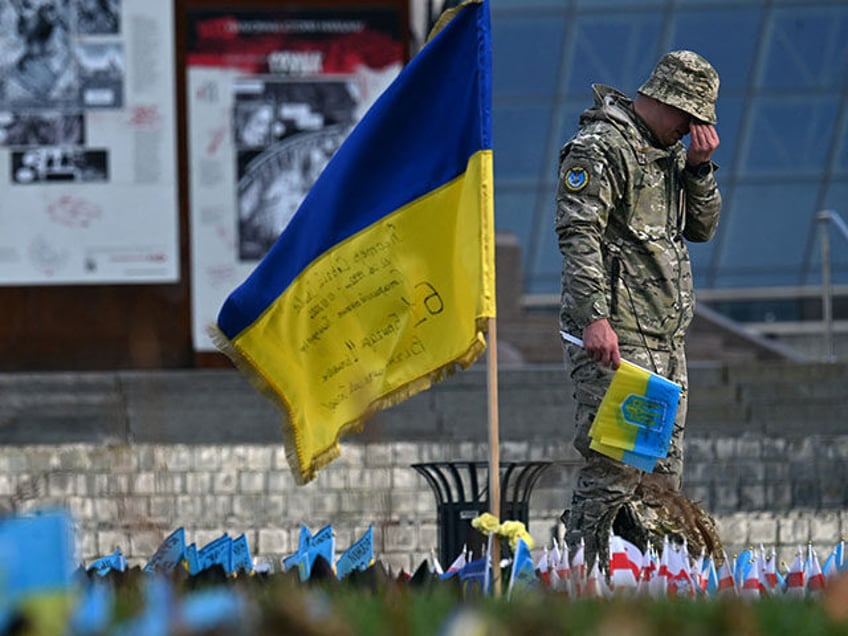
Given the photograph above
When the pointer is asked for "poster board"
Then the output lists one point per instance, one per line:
(271, 93)
(88, 141)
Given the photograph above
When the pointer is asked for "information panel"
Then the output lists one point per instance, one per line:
(87, 142)
(271, 95)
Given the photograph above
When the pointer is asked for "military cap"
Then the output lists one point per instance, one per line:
(685, 80)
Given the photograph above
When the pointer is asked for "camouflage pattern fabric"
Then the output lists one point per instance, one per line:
(604, 486)
(687, 81)
(625, 207)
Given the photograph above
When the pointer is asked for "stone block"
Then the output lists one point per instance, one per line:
(699, 449)
(405, 478)
(805, 493)
(111, 484)
(208, 458)
(274, 508)
(252, 457)
(832, 493)
(774, 448)
(776, 471)
(405, 454)
(750, 472)
(189, 508)
(144, 543)
(825, 527)
(353, 452)
(762, 530)
(115, 459)
(435, 452)
(175, 457)
(518, 451)
(333, 477)
(793, 530)
(698, 472)
(217, 508)
(778, 495)
(144, 483)
(251, 482)
(802, 450)
(273, 541)
(225, 482)
(108, 540)
(726, 497)
(248, 507)
(428, 537)
(297, 507)
(74, 458)
(725, 449)
(280, 481)
(732, 528)
(279, 460)
(198, 483)
(750, 447)
(133, 512)
(355, 502)
(326, 505)
(400, 537)
(378, 455)
(86, 545)
(163, 509)
(170, 483)
(106, 509)
(61, 484)
(802, 470)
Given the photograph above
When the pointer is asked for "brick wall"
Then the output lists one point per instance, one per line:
(135, 455)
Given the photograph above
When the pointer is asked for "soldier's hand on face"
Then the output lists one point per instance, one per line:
(703, 141)
(601, 342)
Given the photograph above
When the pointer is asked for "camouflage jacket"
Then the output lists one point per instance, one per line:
(624, 207)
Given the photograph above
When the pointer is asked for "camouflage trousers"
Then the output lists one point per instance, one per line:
(608, 491)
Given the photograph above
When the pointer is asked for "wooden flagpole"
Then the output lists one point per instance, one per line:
(494, 452)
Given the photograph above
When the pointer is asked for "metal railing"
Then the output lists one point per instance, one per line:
(826, 218)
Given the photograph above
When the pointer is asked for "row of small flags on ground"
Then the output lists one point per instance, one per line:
(49, 588)
(669, 571)
(46, 591)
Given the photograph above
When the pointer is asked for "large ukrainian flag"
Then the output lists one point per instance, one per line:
(384, 279)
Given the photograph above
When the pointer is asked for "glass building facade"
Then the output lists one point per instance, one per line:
(782, 110)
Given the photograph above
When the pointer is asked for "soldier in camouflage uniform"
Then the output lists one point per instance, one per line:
(629, 194)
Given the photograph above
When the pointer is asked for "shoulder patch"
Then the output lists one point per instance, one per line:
(576, 178)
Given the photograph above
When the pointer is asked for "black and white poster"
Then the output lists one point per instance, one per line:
(86, 109)
(272, 94)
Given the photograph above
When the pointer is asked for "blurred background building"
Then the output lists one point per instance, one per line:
(783, 122)
(763, 286)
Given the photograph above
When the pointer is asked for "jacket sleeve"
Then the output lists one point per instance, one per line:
(585, 194)
(703, 205)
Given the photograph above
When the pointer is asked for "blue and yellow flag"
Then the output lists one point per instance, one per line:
(383, 281)
(636, 417)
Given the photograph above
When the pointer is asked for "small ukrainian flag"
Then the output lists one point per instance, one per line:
(636, 417)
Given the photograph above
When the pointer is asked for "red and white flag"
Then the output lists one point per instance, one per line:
(563, 570)
(625, 563)
(578, 569)
(815, 577)
(751, 583)
(726, 582)
(796, 579)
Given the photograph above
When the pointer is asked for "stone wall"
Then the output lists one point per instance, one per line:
(135, 455)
